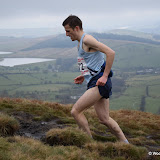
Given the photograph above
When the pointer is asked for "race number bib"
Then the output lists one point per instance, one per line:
(83, 66)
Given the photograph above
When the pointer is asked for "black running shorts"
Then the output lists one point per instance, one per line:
(106, 90)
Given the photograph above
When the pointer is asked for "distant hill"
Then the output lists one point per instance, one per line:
(14, 44)
(131, 33)
(30, 32)
(132, 52)
(125, 37)
(153, 29)
(61, 41)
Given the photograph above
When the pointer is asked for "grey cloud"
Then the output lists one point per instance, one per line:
(116, 9)
(23, 7)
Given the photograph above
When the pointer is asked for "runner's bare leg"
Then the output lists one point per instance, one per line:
(102, 110)
(88, 99)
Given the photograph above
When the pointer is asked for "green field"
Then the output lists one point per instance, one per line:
(43, 84)
(137, 87)
(59, 87)
(132, 55)
(53, 81)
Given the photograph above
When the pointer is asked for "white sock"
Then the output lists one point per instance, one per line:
(126, 141)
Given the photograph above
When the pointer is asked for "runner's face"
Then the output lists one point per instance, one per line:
(70, 32)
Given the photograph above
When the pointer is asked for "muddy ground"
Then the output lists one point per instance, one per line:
(31, 128)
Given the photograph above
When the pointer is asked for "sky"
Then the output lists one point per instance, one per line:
(95, 14)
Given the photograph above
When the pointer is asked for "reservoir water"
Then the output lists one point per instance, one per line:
(20, 61)
(6, 52)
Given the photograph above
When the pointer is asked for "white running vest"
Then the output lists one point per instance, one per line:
(89, 62)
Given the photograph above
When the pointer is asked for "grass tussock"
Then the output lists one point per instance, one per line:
(20, 148)
(43, 110)
(8, 125)
(68, 136)
(136, 122)
(4, 149)
(141, 129)
(112, 150)
(141, 141)
(146, 123)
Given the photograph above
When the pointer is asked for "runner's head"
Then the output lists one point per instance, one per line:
(73, 27)
(73, 21)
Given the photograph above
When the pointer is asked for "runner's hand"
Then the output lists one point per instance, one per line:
(101, 81)
(79, 79)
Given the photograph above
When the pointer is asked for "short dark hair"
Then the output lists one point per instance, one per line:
(73, 21)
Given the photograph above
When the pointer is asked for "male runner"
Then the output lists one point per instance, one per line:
(97, 73)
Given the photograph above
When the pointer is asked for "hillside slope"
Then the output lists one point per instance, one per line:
(61, 41)
(131, 52)
(53, 124)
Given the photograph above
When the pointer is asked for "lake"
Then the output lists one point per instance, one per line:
(6, 52)
(20, 61)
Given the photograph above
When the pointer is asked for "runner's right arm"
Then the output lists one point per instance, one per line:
(79, 79)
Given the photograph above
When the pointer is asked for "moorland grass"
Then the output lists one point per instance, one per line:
(68, 136)
(8, 125)
(44, 110)
(112, 150)
(20, 148)
(74, 144)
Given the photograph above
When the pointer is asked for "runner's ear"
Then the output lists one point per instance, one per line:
(77, 28)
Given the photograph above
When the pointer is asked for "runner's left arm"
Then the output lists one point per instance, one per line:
(91, 42)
